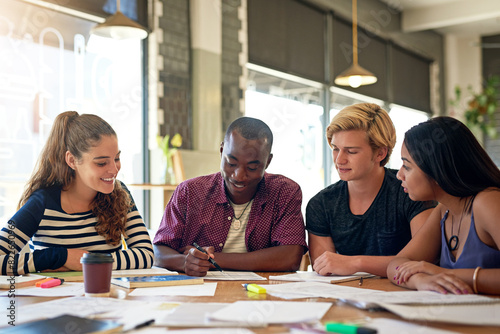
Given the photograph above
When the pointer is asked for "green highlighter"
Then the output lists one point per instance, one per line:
(341, 328)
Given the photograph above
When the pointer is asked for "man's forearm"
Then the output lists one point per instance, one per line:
(168, 258)
(279, 258)
(376, 265)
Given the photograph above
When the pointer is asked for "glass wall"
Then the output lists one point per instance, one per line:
(48, 64)
(294, 112)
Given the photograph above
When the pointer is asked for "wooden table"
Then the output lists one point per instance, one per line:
(231, 291)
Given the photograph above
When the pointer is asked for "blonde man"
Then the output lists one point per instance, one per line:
(362, 221)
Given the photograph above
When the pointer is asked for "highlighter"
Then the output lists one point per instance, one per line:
(341, 328)
(48, 279)
(254, 288)
(52, 283)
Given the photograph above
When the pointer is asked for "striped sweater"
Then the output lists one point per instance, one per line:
(38, 235)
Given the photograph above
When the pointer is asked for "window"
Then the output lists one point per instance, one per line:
(48, 64)
(294, 113)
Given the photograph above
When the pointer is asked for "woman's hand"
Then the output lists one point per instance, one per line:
(407, 269)
(443, 283)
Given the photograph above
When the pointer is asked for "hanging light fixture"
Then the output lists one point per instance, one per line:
(118, 26)
(355, 75)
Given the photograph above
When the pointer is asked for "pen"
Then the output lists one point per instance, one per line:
(144, 324)
(209, 258)
(341, 328)
(254, 288)
(139, 325)
(361, 281)
(52, 283)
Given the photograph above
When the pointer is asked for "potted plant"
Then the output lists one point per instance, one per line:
(481, 107)
(168, 147)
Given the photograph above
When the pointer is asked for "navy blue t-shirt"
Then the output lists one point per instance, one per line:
(384, 229)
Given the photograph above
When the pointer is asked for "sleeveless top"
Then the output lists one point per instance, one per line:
(474, 253)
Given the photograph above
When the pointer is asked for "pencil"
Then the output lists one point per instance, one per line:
(209, 258)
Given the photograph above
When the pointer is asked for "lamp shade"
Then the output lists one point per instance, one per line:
(355, 76)
(118, 26)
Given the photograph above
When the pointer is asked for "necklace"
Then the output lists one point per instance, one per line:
(454, 240)
(236, 222)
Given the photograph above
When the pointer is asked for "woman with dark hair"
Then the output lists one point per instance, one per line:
(73, 204)
(443, 161)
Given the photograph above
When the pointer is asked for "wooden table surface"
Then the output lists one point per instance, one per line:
(231, 291)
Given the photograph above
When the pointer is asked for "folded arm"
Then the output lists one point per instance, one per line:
(326, 261)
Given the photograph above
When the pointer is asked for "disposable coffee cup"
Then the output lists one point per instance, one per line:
(97, 274)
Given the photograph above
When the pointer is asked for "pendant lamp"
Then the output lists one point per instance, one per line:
(118, 26)
(355, 75)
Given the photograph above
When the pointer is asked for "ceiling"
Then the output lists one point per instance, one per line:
(457, 17)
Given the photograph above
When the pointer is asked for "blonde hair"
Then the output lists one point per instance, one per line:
(368, 117)
(78, 134)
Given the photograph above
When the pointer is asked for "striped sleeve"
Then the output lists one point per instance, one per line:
(15, 256)
(139, 252)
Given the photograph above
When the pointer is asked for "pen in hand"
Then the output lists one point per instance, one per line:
(209, 258)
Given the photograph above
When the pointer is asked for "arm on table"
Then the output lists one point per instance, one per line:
(191, 261)
(277, 258)
(326, 261)
(139, 252)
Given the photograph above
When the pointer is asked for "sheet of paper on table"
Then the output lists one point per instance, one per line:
(368, 298)
(312, 276)
(81, 306)
(63, 290)
(205, 289)
(467, 314)
(227, 275)
(197, 315)
(262, 312)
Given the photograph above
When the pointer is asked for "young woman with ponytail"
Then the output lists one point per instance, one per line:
(73, 204)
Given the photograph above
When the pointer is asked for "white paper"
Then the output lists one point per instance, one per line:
(143, 272)
(271, 312)
(311, 290)
(312, 276)
(478, 314)
(382, 325)
(211, 331)
(79, 306)
(64, 290)
(414, 297)
(391, 326)
(369, 298)
(197, 315)
(206, 289)
(233, 276)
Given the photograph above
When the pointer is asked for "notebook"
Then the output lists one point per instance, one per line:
(77, 276)
(152, 281)
(6, 282)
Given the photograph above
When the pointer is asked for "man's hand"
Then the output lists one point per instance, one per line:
(330, 263)
(196, 263)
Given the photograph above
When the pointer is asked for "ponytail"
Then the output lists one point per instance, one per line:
(51, 168)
